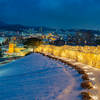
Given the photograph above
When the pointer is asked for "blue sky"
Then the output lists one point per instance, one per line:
(53, 13)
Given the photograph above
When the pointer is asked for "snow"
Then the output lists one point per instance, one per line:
(94, 76)
(36, 77)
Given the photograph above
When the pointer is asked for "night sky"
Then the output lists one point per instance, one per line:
(52, 13)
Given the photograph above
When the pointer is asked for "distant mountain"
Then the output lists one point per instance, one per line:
(2, 23)
(43, 29)
(12, 27)
(19, 27)
(40, 29)
(85, 31)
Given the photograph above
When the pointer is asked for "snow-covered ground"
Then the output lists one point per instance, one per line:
(94, 76)
(36, 77)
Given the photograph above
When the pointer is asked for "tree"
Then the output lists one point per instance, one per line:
(32, 42)
(84, 38)
(97, 42)
(0, 52)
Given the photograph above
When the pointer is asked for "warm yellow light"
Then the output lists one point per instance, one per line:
(89, 55)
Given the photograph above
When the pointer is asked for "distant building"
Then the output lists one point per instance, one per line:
(59, 42)
(2, 39)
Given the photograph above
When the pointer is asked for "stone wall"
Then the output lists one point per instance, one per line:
(89, 55)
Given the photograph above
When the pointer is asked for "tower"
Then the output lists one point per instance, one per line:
(12, 47)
